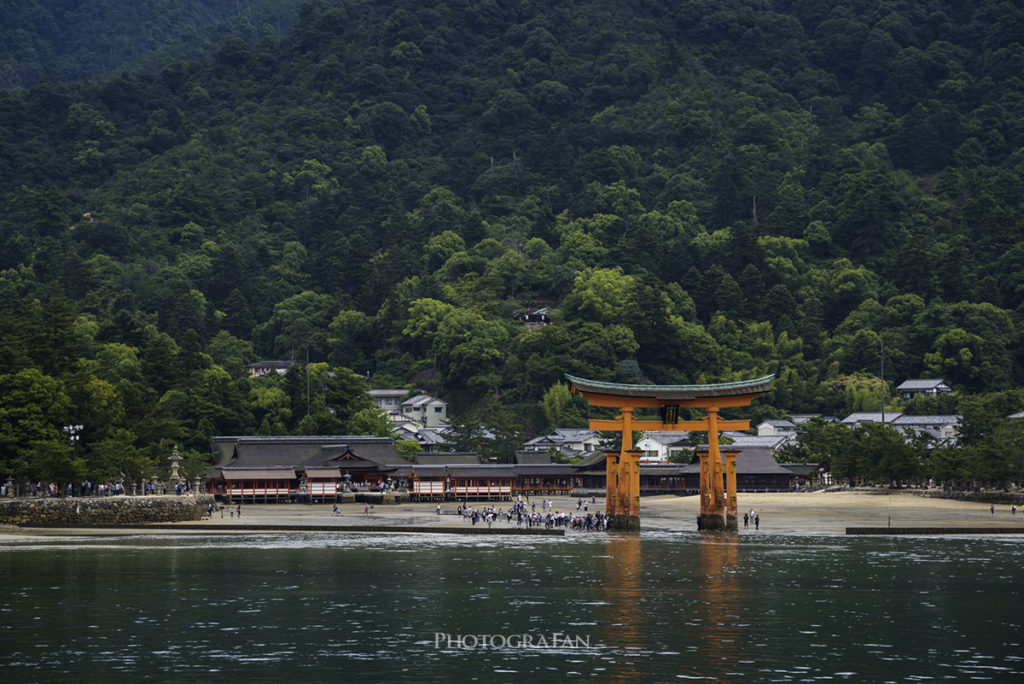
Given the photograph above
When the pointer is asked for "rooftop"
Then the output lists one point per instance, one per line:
(673, 392)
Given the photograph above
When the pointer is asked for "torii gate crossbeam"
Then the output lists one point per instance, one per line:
(718, 507)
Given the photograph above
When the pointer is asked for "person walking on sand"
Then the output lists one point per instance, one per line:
(757, 522)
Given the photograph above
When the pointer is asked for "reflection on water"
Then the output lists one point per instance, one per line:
(723, 609)
(650, 608)
(622, 616)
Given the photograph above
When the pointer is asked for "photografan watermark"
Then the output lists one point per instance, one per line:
(471, 642)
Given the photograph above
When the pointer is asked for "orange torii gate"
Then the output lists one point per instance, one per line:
(718, 507)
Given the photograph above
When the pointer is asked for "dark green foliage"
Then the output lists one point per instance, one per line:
(698, 192)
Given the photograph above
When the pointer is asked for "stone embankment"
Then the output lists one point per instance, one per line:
(101, 511)
(986, 497)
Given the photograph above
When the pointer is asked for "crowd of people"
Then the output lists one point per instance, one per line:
(526, 513)
(86, 488)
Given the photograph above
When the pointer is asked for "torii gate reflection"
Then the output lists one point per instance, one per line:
(718, 507)
(712, 628)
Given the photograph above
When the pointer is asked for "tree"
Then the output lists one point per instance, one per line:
(556, 401)
(408, 448)
(370, 421)
(33, 410)
(116, 458)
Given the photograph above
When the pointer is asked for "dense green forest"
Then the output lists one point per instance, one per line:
(701, 192)
(68, 40)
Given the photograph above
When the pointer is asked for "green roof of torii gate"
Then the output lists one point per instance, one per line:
(673, 392)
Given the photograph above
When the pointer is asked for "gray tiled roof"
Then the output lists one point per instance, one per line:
(533, 457)
(248, 451)
(951, 419)
(447, 458)
(750, 461)
(920, 384)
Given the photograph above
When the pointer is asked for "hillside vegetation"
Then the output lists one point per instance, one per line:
(702, 192)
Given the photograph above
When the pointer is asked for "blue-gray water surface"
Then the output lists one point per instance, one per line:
(448, 608)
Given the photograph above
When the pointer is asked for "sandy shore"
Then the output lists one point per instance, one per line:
(819, 513)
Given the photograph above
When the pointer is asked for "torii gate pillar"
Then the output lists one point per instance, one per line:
(718, 507)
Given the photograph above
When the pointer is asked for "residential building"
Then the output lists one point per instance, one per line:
(931, 387)
(573, 442)
(261, 368)
(777, 426)
(390, 400)
(660, 447)
(427, 410)
(855, 419)
(943, 428)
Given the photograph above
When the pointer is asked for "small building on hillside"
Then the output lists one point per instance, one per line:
(944, 429)
(389, 400)
(745, 440)
(929, 387)
(427, 410)
(661, 446)
(801, 418)
(777, 427)
(573, 442)
(261, 368)
(855, 419)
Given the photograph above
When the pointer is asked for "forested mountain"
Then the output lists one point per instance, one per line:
(68, 40)
(700, 191)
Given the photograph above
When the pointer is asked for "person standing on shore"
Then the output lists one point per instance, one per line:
(757, 522)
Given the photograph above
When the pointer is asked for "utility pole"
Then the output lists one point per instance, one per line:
(881, 360)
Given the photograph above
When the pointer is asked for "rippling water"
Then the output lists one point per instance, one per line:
(660, 607)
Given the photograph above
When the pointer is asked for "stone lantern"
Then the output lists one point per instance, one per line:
(175, 460)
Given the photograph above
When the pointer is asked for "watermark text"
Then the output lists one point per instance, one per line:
(471, 642)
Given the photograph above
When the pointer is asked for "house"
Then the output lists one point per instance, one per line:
(390, 400)
(661, 446)
(775, 427)
(929, 387)
(943, 428)
(801, 418)
(430, 439)
(743, 440)
(261, 368)
(855, 419)
(534, 318)
(424, 409)
(573, 442)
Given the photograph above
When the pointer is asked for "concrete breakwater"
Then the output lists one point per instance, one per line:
(114, 510)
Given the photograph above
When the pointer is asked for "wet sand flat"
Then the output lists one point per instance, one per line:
(815, 513)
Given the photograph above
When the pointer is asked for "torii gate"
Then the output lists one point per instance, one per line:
(718, 509)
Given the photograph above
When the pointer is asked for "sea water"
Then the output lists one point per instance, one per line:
(450, 608)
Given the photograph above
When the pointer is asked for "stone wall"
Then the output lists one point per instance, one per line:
(99, 511)
(986, 497)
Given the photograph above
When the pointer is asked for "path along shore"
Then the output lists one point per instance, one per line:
(814, 513)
